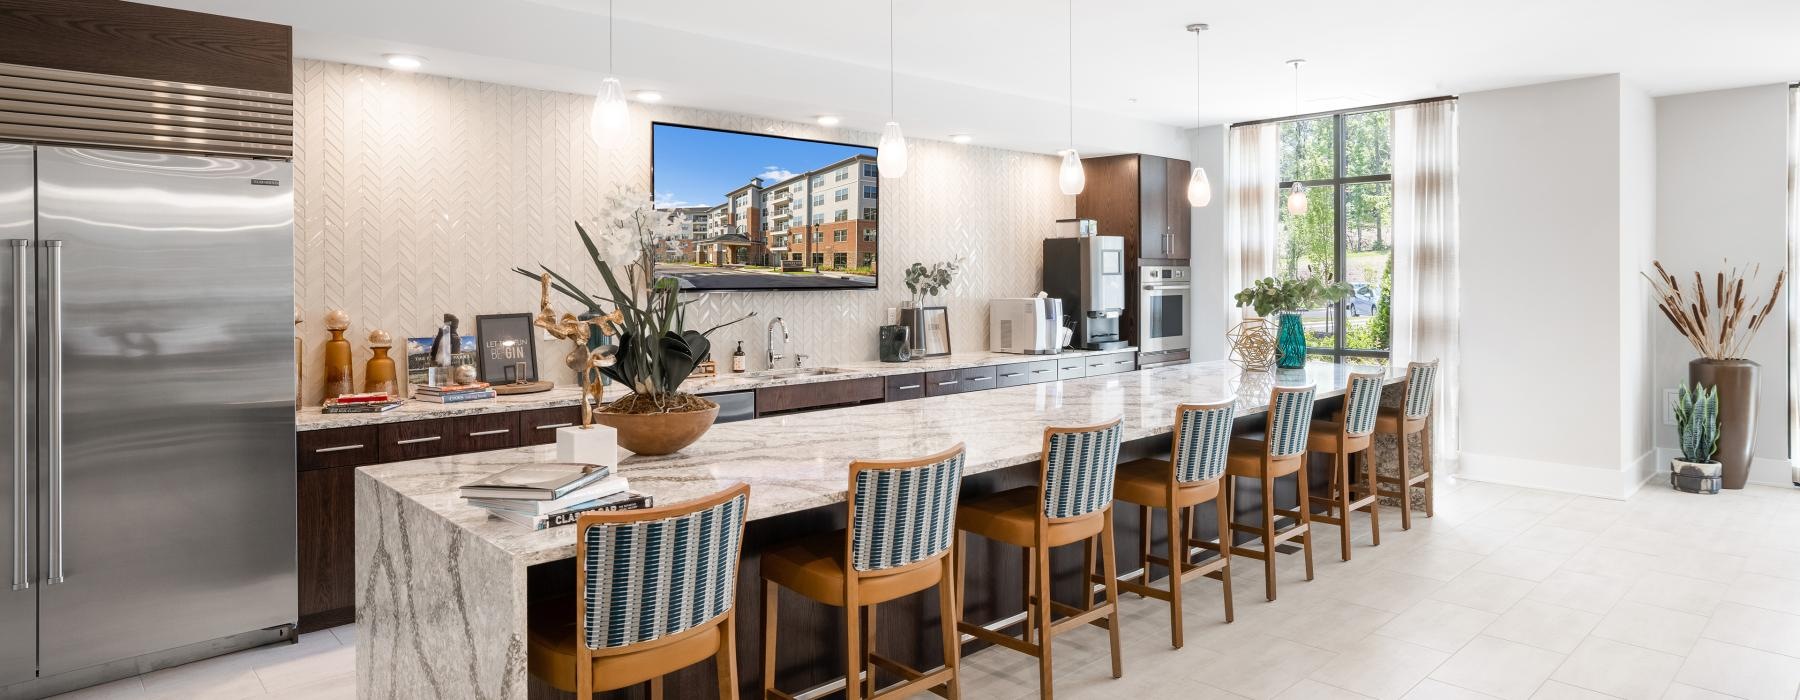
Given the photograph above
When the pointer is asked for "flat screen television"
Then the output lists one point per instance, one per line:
(759, 213)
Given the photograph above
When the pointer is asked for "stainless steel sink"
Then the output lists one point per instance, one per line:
(799, 372)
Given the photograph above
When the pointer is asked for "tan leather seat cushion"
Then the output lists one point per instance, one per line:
(814, 567)
(1146, 483)
(1011, 516)
(551, 644)
(1246, 459)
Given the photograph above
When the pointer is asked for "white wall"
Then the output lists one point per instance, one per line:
(1721, 185)
(1637, 239)
(1543, 401)
(1210, 319)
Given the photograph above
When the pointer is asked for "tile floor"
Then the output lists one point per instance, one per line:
(1507, 593)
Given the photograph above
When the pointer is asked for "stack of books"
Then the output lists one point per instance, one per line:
(453, 393)
(539, 496)
(378, 402)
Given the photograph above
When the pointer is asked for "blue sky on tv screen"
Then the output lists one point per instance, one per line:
(696, 167)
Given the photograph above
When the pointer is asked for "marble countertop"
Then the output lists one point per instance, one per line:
(314, 419)
(792, 464)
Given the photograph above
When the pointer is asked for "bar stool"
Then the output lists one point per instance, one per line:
(1413, 417)
(1277, 452)
(1072, 502)
(897, 543)
(1189, 478)
(1343, 436)
(644, 608)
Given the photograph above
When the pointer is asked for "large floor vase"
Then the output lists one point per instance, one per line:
(659, 433)
(1736, 380)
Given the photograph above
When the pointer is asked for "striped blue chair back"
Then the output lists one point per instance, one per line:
(648, 579)
(1202, 440)
(1420, 380)
(1079, 468)
(904, 516)
(1361, 403)
(1290, 420)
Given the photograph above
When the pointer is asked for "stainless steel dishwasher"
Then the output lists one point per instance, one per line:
(734, 405)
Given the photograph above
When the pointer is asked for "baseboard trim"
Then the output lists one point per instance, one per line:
(1617, 483)
(1764, 471)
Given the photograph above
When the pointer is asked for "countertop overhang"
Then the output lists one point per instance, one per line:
(800, 461)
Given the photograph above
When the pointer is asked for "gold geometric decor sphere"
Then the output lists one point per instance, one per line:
(1252, 346)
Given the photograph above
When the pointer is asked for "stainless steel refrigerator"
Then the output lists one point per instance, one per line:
(146, 351)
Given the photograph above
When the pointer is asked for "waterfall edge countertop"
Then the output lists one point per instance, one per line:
(311, 418)
(792, 463)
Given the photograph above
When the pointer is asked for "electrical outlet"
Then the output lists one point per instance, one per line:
(1670, 396)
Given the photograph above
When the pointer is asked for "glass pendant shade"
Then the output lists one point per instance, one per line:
(890, 154)
(1199, 188)
(1072, 177)
(612, 115)
(1296, 202)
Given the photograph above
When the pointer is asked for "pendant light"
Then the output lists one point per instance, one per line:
(1199, 190)
(890, 153)
(1296, 200)
(1071, 178)
(611, 119)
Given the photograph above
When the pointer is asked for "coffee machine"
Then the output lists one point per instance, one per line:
(1088, 274)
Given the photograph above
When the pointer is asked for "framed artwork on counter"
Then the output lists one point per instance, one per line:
(507, 348)
(929, 327)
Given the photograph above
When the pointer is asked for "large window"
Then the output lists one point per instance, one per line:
(1344, 165)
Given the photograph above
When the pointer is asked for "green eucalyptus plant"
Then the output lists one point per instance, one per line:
(654, 351)
(929, 281)
(1697, 422)
(1271, 296)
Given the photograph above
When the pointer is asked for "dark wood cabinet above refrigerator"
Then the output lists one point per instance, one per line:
(1143, 199)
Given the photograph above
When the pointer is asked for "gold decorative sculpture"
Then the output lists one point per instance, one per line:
(585, 361)
(378, 374)
(338, 380)
(1252, 346)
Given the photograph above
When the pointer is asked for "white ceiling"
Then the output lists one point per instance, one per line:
(998, 68)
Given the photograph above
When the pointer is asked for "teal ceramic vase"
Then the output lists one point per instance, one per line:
(1291, 339)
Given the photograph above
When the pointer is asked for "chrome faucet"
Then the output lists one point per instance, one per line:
(773, 356)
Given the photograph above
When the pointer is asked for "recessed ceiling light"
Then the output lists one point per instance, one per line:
(961, 138)
(827, 120)
(1131, 100)
(651, 96)
(404, 61)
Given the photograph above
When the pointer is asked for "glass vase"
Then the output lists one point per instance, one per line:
(1291, 339)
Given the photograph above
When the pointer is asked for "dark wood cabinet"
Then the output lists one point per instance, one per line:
(489, 431)
(802, 397)
(343, 447)
(1024, 373)
(1142, 199)
(978, 378)
(904, 387)
(538, 426)
(145, 41)
(416, 439)
(327, 546)
(943, 382)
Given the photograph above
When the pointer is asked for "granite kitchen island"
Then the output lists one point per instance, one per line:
(443, 589)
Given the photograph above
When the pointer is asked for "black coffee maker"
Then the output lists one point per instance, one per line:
(896, 344)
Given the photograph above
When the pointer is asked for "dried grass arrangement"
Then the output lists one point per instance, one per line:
(1718, 328)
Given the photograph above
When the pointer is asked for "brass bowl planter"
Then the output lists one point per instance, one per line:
(659, 433)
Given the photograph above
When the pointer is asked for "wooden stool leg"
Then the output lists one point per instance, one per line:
(1400, 443)
(726, 660)
(853, 654)
(1223, 505)
(1368, 477)
(1088, 567)
(868, 649)
(1040, 576)
(1306, 539)
(1340, 473)
(656, 688)
(1144, 545)
(1268, 530)
(961, 554)
(1430, 468)
(771, 599)
(1031, 573)
(947, 617)
(1177, 556)
(1110, 560)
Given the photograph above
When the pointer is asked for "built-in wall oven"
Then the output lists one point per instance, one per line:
(1165, 296)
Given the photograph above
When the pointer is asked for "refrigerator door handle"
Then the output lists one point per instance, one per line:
(53, 374)
(21, 350)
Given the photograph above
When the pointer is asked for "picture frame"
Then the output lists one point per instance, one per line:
(930, 329)
(503, 342)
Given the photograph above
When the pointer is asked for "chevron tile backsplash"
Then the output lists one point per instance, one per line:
(415, 195)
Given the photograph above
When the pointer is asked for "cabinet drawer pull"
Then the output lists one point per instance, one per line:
(1015, 374)
(339, 448)
(415, 441)
(908, 387)
(500, 431)
(979, 379)
(1122, 362)
(554, 426)
(948, 383)
(1041, 371)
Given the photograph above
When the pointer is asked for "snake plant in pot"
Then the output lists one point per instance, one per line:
(654, 350)
(1289, 297)
(1697, 426)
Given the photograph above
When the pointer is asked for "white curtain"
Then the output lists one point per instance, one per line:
(1424, 308)
(1253, 175)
